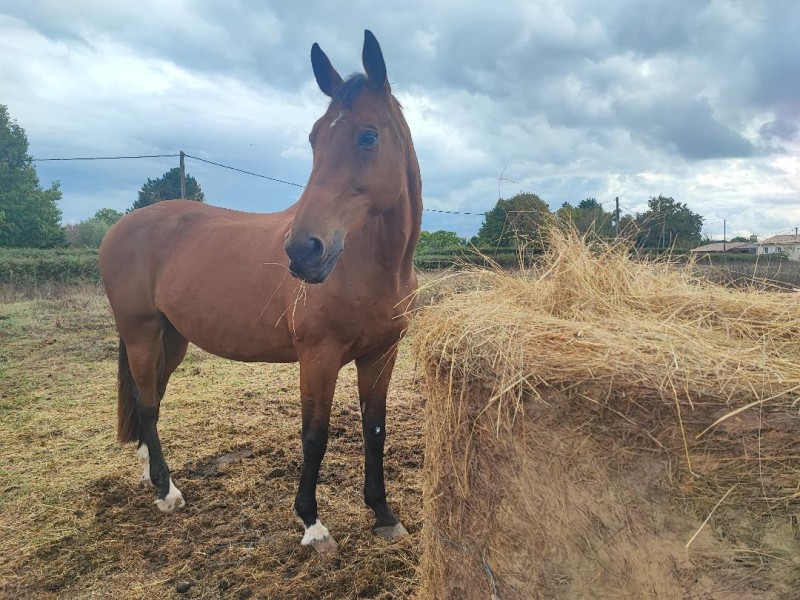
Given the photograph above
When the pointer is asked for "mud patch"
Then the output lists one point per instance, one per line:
(210, 467)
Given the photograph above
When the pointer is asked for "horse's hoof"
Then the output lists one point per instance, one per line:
(326, 545)
(146, 482)
(318, 537)
(391, 532)
(173, 500)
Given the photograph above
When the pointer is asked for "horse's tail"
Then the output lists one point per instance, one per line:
(128, 428)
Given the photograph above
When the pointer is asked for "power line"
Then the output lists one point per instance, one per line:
(522, 184)
(455, 212)
(277, 180)
(102, 157)
(211, 162)
(217, 164)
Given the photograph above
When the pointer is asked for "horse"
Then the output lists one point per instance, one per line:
(328, 281)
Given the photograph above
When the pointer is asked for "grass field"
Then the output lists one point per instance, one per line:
(74, 522)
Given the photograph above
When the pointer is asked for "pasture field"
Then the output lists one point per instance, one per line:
(74, 522)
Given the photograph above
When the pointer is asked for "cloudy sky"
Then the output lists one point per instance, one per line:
(694, 99)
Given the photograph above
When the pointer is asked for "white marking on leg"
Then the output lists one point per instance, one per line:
(173, 500)
(144, 459)
(315, 533)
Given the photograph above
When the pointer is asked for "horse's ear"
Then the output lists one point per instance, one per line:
(374, 64)
(327, 77)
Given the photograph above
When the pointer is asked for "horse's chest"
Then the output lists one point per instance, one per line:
(371, 322)
(360, 326)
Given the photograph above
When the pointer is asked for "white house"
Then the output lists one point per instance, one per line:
(787, 244)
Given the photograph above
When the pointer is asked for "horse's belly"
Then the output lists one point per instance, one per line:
(248, 340)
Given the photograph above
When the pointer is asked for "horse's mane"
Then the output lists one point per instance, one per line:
(350, 90)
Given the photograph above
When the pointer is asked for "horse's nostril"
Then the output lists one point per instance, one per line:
(306, 250)
(314, 246)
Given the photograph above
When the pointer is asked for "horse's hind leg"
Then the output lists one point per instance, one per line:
(153, 353)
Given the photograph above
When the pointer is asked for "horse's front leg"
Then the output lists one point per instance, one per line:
(374, 374)
(318, 375)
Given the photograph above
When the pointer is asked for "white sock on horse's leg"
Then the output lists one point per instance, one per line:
(144, 459)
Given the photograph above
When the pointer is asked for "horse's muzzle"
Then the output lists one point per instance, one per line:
(310, 259)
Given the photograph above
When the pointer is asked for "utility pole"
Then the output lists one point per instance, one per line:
(616, 227)
(724, 234)
(183, 176)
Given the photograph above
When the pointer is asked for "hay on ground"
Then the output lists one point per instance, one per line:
(568, 449)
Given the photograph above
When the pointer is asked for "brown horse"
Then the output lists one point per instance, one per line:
(181, 271)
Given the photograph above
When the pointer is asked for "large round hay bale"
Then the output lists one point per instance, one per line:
(604, 427)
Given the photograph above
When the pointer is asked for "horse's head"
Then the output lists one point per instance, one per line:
(360, 163)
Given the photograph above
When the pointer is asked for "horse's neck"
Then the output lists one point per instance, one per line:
(391, 238)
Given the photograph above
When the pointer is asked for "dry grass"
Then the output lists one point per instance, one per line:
(567, 450)
(74, 523)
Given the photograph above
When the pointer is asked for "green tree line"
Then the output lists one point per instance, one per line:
(517, 222)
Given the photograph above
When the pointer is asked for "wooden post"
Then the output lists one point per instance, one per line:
(183, 176)
(616, 233)
(724, 235)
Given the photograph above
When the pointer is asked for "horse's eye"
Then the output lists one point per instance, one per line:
(368, 138)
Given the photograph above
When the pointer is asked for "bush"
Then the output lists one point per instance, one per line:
(28, 266)
(469, 255)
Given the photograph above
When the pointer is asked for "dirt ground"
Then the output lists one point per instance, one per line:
(74, 522)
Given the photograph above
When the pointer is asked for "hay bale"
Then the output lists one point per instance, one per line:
(586, 418)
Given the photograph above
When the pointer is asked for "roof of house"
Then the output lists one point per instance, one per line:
(723, 247)
(783, 239)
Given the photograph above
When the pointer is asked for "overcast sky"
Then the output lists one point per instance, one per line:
(571, 99)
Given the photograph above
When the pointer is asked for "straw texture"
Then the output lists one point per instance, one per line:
(585, 417)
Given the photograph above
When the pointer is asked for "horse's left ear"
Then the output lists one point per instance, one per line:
(374, 65)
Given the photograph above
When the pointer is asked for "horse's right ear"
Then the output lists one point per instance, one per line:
(328, 78)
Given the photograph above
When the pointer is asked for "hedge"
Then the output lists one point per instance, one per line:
(28, 266)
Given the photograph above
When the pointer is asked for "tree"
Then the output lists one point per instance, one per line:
(87, 234)
(668, 224)
(109, 215)
(90, 233)
(167, 187)
(513, 221)
(439, 240)
(588, 216)
(29, 215)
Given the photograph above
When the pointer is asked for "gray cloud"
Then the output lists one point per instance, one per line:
(698, 100)
(780, 129)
